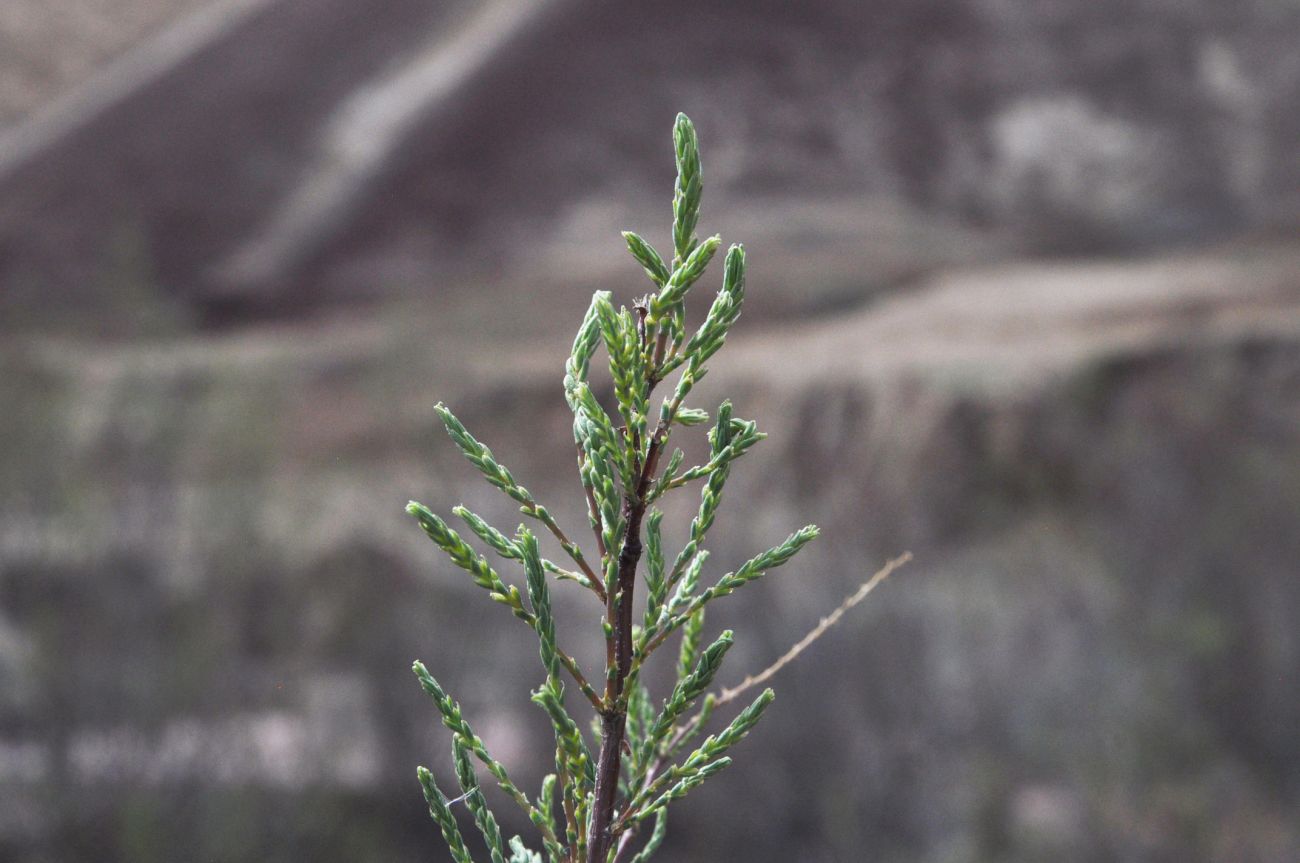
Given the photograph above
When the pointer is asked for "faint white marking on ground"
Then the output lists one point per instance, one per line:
(331, 739)
(120, 79)
(364, 132)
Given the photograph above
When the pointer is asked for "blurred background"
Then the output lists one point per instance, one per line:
(1024, 300)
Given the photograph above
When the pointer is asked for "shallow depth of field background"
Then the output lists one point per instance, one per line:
(1024, 300)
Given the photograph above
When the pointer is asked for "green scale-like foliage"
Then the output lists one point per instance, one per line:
(623, 468)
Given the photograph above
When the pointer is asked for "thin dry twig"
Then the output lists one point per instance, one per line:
(684, 732)
(816, 632)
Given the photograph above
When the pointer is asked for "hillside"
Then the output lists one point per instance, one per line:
(1097, 467)
(311, 154)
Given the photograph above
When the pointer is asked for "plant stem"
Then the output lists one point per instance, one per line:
(569, 546)
(571, 664)
(613, 721)
(613, 727)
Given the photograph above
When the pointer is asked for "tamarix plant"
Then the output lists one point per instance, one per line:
(595, 804)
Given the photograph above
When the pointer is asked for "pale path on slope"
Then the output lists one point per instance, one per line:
(120, 79)
(364, 132)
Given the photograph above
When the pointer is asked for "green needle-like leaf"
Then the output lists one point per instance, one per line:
(483, 817)
(452, 718)
(683, 277)
(656, 837)
(568, 736)
(656, 586)
(457, 549)
(546, 800)
(692, 634)
(648, 258)
(689, 687)
(692, 780)
(539, 596)
(481, 457)
(521, 854)
(441, 813)
(501, 544)
(689, 186)
(627, 367)
(584, 344)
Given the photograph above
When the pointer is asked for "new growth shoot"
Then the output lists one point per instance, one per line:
(608, 799)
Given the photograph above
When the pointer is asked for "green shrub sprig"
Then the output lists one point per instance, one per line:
(592, 807)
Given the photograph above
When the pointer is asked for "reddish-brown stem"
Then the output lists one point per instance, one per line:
(661, 344)
(572, 665)
(641, 312)
(613, 728)
(580, 561)
(613, 722)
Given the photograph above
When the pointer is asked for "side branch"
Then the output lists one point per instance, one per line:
(571, 664)
(729, 694)
(543, 515)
